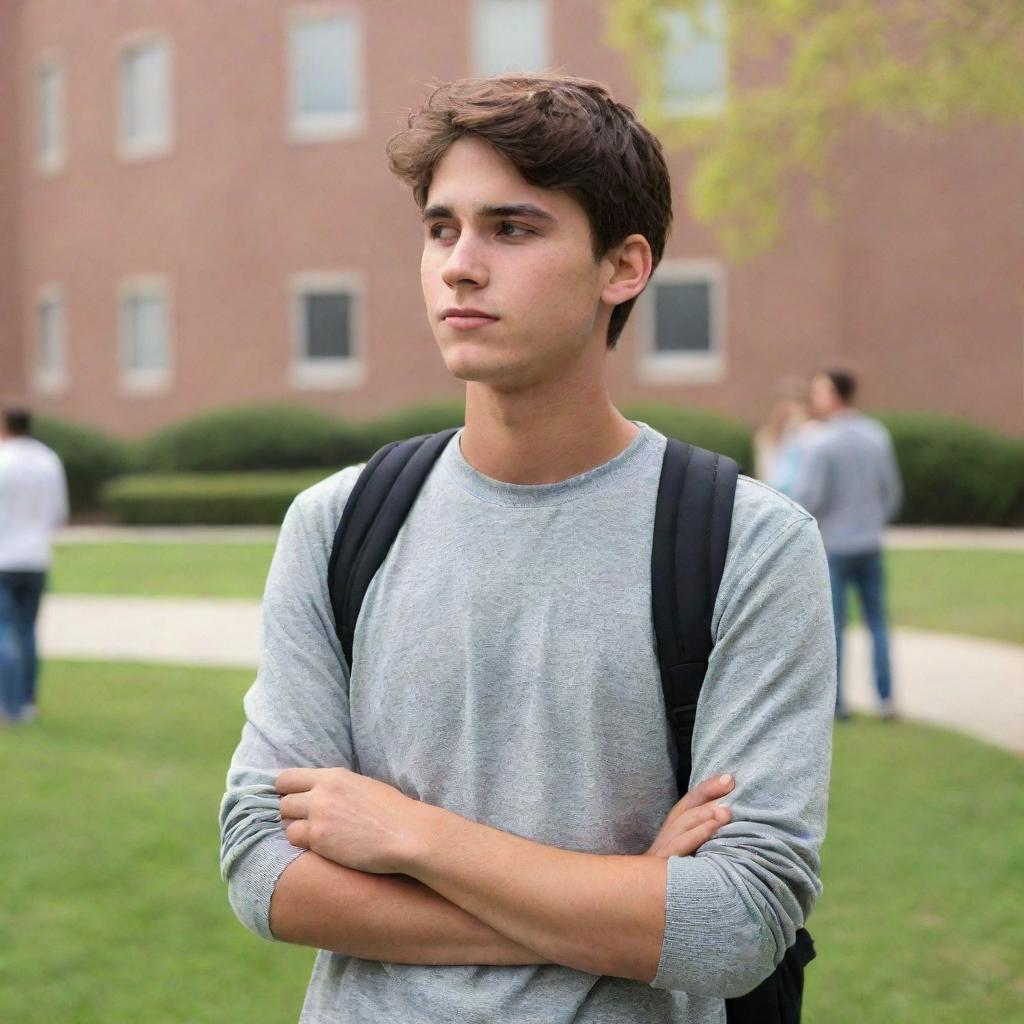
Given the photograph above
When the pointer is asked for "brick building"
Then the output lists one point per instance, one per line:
(195, 212)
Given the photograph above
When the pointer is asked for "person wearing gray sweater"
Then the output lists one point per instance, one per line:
(849, 480)
(477, 819)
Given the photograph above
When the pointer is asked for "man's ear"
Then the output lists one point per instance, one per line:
(629, 264)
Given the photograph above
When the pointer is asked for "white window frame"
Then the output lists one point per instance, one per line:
(658, 367)
(154, 380)
(324, 127)
(476, 19)
(343, 373)
(706, 106)
(53, 379)
(154, 146)
(51, 161)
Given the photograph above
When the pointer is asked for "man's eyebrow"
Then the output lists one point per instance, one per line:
(437, 212)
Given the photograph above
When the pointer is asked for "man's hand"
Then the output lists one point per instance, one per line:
(370, 826)
(694, 820)
(348, 818)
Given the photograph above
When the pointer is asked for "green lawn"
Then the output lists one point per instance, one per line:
(111, 907)
(977, 592)
(174, 569)
(980, 593)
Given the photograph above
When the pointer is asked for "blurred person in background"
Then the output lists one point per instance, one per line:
(33, 503)
(778, 443)
(848, 479)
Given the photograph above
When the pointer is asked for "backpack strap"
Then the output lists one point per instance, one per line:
(692, 520)
(691, 538)
(379, 503)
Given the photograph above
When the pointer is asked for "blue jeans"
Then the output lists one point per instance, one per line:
(866, 573)
(20, 594)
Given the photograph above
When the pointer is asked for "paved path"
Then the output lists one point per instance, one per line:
(971, 685)
(177, 630)
(895, 537)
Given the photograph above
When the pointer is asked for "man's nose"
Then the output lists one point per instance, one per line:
(465, 263)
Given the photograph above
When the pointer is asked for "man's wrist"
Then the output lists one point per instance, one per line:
(430, 828)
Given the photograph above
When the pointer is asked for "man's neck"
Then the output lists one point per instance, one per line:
(542, 435)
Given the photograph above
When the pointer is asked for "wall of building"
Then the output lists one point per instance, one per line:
(917, 281)
(932, 256)
(12, 384)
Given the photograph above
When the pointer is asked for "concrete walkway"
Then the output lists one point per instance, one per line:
(176, 630)
(895, 537)
(964, 683)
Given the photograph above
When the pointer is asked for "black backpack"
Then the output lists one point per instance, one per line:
(691, 536)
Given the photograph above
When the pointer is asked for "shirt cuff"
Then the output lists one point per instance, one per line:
(716, 943)
(253, 880)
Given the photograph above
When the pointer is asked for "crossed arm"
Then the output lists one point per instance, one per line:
(390, 878)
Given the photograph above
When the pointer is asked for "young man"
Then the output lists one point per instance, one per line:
(477, 819)
(33, 503)
(850, 482)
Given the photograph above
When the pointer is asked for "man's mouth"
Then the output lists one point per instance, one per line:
(465, 318)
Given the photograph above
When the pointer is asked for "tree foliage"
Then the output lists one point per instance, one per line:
(803, 71)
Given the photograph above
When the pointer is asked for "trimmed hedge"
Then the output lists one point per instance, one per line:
(955, 472)
(207, 499)
(253, 437)
(233, 438)
(411, 422)
(270, 437)
(704, 429)
(90, 458)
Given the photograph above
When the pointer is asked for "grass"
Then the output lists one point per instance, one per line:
(112, 908)
(978, 592)
(185, 569)
(918, 923)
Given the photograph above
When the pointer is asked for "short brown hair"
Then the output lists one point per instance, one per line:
(17, 422)
(560, 133)
(844, 382)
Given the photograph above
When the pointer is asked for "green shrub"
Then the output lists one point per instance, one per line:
(418, 419)
(704, 429)
(1015, 448)
(955, 472)
(253, 437)
(205, 498)
(90, 458)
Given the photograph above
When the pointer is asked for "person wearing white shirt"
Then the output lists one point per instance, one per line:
(33, 504)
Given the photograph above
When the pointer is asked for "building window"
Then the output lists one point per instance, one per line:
(327, 331)
(49, 371)
(697, 61)
(50, 146)
(325, 61)
(684, 311)
(145, 99)
(145, 335)
(510, 35)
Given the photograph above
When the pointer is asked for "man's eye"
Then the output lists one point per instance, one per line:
(442, 232)
(509, 230)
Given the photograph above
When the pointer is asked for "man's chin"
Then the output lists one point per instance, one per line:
(465, 367)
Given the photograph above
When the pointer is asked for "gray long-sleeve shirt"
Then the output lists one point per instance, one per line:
(504, 668)
(848, 479)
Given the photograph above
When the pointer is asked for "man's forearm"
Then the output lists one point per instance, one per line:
(381, 917)
(600, 914)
